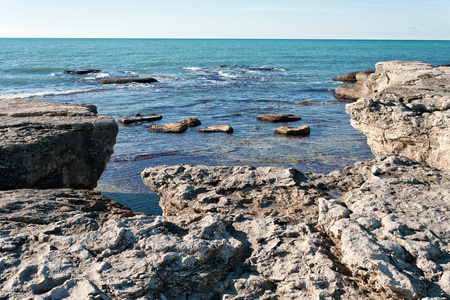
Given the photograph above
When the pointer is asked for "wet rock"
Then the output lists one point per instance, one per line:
(290, 131)
(81, 72)
(351, 92)
(190, 122)
(407, 113)
(217, 128)
(349, 78)
(127, 80)
(44, 144)
(139, 119)
(168, 128)
(278, 118)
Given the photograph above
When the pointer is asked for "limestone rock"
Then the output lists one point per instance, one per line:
(406, 111)
(53, 144)
(139, 120)
(168, 128)
(349, 78)
(190, 122)
(127, 80)
(217, 128)
(290, 131)
(351, 92)
(278, 118)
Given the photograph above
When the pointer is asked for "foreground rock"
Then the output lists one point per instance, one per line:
(407, 113)
(168, 128)
(190, 122)
(367, 246)
(44, 144)
(127, 80)
(278, 118)
(217, 128)
(290, 131)
(139, 120)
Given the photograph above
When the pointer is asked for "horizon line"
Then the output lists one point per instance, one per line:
(221, 38)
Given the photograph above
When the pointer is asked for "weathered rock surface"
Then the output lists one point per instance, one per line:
(139, 120)
(127, 80)
(278, 118)
(407, 113)
(168, 128)
(53, 144)
(385, 237)
(217, 128)
(349, 77)
(290, 131)
(190, 122)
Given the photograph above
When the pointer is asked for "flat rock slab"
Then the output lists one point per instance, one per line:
(81, 72)
(217, 128)
(290, 131)
(127, 80)
(139, 120)
(168, 128)
(53, 144)
(278, 118)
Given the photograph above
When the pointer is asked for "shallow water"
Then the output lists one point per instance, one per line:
(219, 82)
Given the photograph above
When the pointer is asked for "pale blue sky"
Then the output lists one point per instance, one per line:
(322, 19)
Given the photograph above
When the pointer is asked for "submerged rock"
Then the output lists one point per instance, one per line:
(290, 131)
(139, 119)
(217, 128)
(278, 118)
(81, 72)
(44, 144)
(127, 80)
(168, 128)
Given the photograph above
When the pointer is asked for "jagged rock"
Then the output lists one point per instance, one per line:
(190, 122)
(217, 128)
(290, 131)
(139, 119)
(351, 92)
(53, 144)
(408, 112)
(80, 72)
(278, 118)
(127, 80)
(168, 128)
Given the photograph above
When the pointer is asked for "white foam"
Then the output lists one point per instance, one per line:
(192, 68)
(50, 93)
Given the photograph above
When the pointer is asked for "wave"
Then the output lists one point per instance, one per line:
(51, 93)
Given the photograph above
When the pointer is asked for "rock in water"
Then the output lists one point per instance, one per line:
(139, 120)
(407, 112)
(190, 122)
(278, 118)
(168, 128)
(44, 144)
(80, 72)
(127, 80)
(217, 128)
(290, 131)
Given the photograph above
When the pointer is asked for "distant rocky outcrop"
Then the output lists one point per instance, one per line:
(278, 118)
(46, 144)
(81, 72)
(127, 80)
(406, 111)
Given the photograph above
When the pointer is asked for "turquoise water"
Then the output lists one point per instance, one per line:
(219, 82)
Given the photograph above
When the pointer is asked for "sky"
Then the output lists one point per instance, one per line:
(280, 19)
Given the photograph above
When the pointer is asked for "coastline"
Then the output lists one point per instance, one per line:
(372, 230)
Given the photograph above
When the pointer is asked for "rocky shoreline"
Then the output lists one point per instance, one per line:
(374, 230)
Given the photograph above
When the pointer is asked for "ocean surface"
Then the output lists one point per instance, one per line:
(219, 82)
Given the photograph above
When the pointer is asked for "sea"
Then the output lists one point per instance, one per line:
(219, 81)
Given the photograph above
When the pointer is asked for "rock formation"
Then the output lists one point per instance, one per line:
(80, 72)
(168, 128)
(190, 122)
(406, 112)
(46, 144)
(127, 80)
(139, 119)
(277, 118)
(290, 131)
(217, 128)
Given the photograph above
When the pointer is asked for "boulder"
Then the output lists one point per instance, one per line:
(80, 72)
(217, 128)
(290, 131)
(278, 118)
(406, 111)
(168, 128)
(139, 119)
(190, 122)
(44, 144)
(127, 80)
(349, 78)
